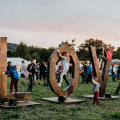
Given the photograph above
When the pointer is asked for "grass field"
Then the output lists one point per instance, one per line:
(108, 109)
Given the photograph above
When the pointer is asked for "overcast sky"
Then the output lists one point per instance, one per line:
(46, 23)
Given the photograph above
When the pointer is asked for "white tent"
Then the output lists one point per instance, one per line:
(17, 60)
(115, 60)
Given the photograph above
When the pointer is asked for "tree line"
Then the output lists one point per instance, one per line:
(30, 52)
(83, 52)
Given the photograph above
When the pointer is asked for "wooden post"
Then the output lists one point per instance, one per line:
(95, 64)
(103, 82)
(105, 77)
(3, 59)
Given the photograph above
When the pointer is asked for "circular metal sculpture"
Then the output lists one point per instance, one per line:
(52, 69)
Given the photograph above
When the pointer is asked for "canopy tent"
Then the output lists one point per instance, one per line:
(17, 60)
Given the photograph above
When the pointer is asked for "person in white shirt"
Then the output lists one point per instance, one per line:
(65, 66)
(22, 72)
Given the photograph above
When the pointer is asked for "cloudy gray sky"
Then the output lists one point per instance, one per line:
(46, 23)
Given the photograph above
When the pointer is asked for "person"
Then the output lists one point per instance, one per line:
(42, 69)
(27, 76)
(85, 70)
(22, 71)
(13, 73)
(37, 73)
(65, 66)
(46, 74)
(106, 57)
(32, 72)
(58, 72)
(118, 72)
(114, 72)
(95, 89)
(70, 71)
(83, 75)
(89, 73)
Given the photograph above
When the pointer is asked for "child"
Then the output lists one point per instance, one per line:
(65, 66)
(95, 89)
(13, 73)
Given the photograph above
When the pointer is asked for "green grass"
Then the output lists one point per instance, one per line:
(108, 110)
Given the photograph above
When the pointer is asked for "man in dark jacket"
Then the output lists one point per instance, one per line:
(32, 71)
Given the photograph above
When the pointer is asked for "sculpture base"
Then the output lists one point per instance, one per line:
(67, 101)
(21, 96)
(20, 104)
(101, 98)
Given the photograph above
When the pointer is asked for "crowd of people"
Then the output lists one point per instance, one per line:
(35, 71)
(32, 72)
(86, 72)
(64, 70)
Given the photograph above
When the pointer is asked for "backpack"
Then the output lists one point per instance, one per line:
(29, 68)
(14, 74)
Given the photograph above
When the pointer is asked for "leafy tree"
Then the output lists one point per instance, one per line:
(10, 53)
(31, 52)
(116, 54)
(22, 51)
(39, 54)
(83, 52)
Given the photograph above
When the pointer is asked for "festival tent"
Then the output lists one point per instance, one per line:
(17, 60)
